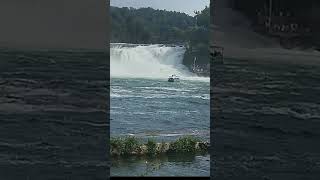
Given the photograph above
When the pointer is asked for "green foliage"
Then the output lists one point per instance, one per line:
(131, 144)
(162, 147)
(151, 147)
(147, 25)
(116, 145)
(203, 18)
(124, 146)
(184, 145)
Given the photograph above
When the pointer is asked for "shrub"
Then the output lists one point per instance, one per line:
(131, 144)
(116, 145)
(184, 145)
(151, 147)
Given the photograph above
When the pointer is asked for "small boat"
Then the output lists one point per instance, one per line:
(173, 78)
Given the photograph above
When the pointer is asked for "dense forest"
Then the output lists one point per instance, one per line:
(147, 25)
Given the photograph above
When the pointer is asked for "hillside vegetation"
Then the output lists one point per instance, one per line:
(147, 25)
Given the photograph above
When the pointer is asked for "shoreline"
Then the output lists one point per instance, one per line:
(233, 31)
(278, 55)
(131, 146)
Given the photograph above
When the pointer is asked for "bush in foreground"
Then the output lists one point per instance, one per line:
(132, 146)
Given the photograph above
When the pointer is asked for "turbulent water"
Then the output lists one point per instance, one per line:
(144, 104)
(149, 61)
(145, 107)
(53, 115)
(267, 120)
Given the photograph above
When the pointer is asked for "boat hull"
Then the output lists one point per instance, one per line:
(173, 80)
(170, 80)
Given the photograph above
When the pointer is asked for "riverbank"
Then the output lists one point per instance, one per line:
(232, 30)
(197, 60)
(274, 55)
(184, 157)
(132, 146)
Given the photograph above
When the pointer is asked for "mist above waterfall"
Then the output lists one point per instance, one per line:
(147, 61)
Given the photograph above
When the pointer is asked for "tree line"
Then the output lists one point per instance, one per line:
(148, 25)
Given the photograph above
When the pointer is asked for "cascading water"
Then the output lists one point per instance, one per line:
(147, 61)
(143, 104)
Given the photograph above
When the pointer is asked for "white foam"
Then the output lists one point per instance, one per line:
(149, 61)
